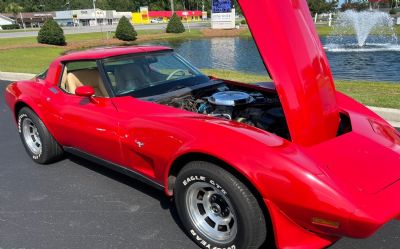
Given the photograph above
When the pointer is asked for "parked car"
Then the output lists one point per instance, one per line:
(294, 161)
(157, 20)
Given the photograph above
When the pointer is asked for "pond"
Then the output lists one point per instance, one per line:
(241, 54)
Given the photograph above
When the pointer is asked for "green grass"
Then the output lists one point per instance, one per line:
(17, 41)
(325, 30)
(372, 93)
(379, 94)
(35, 59)
(69, 37)
(151, 34)
(236, 75)
(28, 60)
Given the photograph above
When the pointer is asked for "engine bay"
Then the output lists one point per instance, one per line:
(261, 109)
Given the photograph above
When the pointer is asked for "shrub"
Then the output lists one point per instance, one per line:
(10, 26)
(393, 11)
(175, 25)
(243, 22)
(358, 6)
(51, 33)
(125, 31)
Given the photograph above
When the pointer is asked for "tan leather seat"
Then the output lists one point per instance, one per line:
(87, 77)
(72, 83)
(63, 84)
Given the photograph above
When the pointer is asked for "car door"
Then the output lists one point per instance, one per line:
(87, 124)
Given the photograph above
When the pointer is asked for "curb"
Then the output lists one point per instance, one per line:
(392, 115)
(15, 76)
(387, 113)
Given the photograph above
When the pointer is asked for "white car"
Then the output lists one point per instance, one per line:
(157, 20)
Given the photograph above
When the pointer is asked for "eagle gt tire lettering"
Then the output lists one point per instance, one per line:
(37, 140)
(217, 210)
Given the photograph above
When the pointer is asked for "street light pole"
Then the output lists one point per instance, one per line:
(172, 6)
(95, 14)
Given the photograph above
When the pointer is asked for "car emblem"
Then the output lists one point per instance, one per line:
(139, 144)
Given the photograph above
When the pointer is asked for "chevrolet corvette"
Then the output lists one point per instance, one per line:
(291, 161)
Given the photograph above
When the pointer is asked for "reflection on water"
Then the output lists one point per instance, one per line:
(241, 54)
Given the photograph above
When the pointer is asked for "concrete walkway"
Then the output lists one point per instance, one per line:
(391, 115)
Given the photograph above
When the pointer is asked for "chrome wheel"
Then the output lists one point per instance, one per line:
(211, 212)
(31, 136)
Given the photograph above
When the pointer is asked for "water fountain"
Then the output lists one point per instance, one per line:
(363, 31)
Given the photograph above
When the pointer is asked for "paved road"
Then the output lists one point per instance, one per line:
(76, 204)
(77, 30)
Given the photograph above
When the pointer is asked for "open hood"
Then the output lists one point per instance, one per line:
(292, 52)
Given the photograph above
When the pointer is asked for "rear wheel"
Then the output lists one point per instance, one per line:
(217, 209)
(37, 140)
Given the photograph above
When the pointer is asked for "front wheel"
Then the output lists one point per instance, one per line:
(38, 142)
(217, 209)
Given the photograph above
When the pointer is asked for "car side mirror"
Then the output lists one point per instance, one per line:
(84, 91)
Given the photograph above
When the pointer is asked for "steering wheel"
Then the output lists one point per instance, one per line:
(175, 72)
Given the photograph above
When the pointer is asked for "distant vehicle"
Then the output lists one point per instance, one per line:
(293, 161)
(157, 20)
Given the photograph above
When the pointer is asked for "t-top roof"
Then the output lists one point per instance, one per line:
(106, 52)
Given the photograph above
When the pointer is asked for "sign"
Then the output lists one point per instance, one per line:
(223, 15)
(204, 15)
(221, 6)
(144, 12)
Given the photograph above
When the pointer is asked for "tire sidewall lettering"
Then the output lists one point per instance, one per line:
(191, 179)
(20, 119)
(206, 244)
(199, 178)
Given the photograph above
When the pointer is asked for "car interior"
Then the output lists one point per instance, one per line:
(74, 78)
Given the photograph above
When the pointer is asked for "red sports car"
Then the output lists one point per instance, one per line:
(293, 160)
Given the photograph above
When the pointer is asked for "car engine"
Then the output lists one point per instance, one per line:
(254, 108)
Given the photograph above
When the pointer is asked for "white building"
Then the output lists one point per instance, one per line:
(89, 17)
(114, 16)
(5, 20)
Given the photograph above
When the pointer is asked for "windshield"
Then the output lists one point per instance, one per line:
(146, 75)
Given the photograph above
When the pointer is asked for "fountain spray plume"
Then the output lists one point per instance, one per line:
(363, 24)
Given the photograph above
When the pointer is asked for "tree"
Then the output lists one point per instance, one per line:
(125, 31)
(359, 6)
(14, 8)
(175, 25)
(51, 33)
(321, 6)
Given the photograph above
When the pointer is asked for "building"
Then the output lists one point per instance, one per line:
(30, 19)
(113, 16)
(65, 18)
(89, 17)
(5, 20)
(144, 17)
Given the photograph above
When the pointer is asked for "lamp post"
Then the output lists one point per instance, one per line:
(95, 14)
(172, 6)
